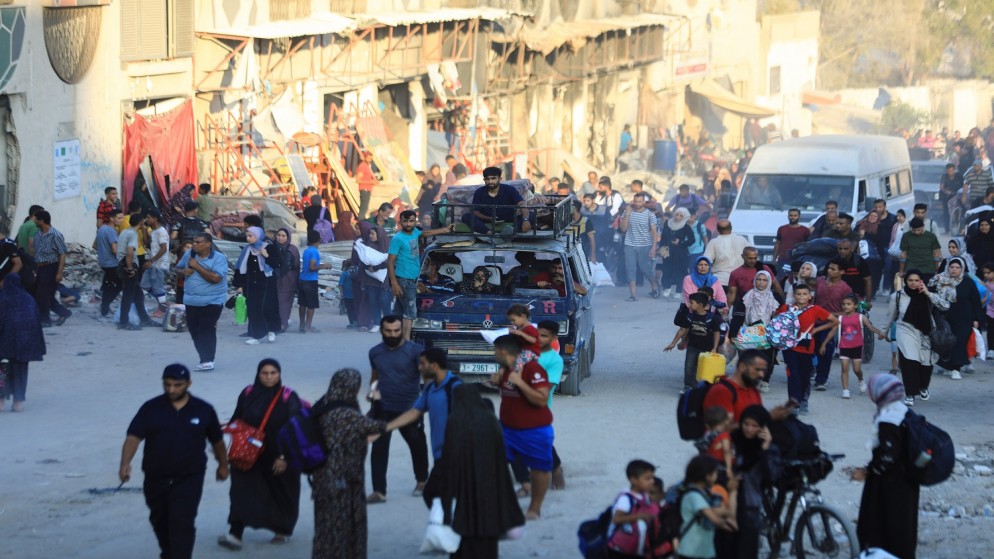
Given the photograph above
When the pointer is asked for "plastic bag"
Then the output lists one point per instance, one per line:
(752, 337)
(439, 538)
(600, 275)
(980, 343)
(241, 309)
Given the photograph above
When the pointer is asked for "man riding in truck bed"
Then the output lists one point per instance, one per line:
(494, 193)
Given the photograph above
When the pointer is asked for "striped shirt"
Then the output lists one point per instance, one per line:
(639, 232)
(978, 183)
(49, 246)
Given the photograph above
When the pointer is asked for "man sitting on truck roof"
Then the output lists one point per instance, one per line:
(493, 204)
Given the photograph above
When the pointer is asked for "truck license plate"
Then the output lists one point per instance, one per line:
(478, 368)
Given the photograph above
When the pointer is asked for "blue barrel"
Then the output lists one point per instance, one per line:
(664, 156)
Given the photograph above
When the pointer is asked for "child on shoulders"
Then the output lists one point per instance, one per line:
(717, 442)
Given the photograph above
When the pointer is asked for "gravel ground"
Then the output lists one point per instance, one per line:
(81, 398)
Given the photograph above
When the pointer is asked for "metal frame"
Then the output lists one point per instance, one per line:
(234, 50)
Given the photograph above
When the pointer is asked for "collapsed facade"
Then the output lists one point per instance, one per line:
(265, 97)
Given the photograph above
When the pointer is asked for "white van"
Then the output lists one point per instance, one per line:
(804, 173)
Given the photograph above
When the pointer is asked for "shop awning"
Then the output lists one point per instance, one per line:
(322, 23)
(722, 98)
(399, 18)
(576, 33)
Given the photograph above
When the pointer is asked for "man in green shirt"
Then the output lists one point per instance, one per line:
(382, 218)
(26, 233)
(206, 209)
(920, 250)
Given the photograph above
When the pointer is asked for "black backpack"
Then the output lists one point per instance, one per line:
(690, 408)
(795, 439)
(593, 535)
(931, 455)
(672, 526)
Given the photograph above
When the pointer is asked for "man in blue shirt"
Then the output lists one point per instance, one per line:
(106, 245)
(434, 400)
(552, 362)
(205, 290)
(485, 215)
(404, 265)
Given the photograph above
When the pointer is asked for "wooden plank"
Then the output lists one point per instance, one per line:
(350, 190)
(298, 172)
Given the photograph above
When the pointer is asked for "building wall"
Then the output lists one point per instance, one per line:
(789, 45)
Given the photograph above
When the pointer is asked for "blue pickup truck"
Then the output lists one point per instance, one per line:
(544, 269)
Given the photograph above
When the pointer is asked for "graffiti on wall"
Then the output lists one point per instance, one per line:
(96, 176)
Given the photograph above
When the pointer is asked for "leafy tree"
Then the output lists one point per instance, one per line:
(901, 116)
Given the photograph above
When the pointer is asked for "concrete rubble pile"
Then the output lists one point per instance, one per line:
(82, 269)
(971, 462)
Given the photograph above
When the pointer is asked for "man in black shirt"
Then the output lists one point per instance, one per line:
(856, 272)
(494, 193)
(949, 186)
(174, 427)
(191, 225)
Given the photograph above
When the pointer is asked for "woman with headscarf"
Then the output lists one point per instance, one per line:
(473, 474)
(338, 487)
(255, 277)
(957, 248)
(372, 295)
(888, 511)
(980, 244)
(345, 229)
(675, 238)
(911, 312)
(287, 276)
(267, 496)
(478, 283)
(21, 337)
(808, 274)
(176, 208)
(701, 276)
(964, 313)
(757, 463)
(760, 304)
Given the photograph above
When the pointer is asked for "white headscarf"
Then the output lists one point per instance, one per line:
(679, 219)
(760, 304)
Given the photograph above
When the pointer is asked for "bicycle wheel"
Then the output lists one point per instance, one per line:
(868, 341)
(822, 531)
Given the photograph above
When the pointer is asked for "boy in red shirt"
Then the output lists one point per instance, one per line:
(525, 417)
(800, 359)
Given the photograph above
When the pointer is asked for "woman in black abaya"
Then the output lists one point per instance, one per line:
(473, 471)
(267, 496)
(255, 276)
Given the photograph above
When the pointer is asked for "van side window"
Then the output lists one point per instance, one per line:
(579, 273)
(904, 182)
(888, 185)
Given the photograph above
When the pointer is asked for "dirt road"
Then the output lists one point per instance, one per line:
(82, 397)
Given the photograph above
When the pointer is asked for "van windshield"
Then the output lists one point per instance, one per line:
(807, 193)
(490, 272)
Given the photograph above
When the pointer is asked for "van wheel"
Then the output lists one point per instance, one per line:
(571, 386)
(592, 348)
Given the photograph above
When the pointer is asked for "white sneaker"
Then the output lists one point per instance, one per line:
(954, 375)
(374, 329)
(668, 292)
(271, 337)
(846, 395)
(969, 369)
(862, 387)
(252, 341)
(764, 386)
(909, 401)
(990, 355)
(206, 366)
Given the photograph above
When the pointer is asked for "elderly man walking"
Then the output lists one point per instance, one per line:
(725, 252)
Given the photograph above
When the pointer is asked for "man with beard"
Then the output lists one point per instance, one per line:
(174, 427)
(856, 272)
(435, 399)
(748, 374)
(494, 203)
(788, 237)
(404, 265)
(394, 387)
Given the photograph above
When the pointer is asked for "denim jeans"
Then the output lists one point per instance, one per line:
(800, 366)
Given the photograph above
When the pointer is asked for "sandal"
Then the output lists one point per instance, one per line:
(523, 493)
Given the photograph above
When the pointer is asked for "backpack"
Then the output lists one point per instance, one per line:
(593, 535)
(301, 440)
(690, 409)
(795, 439)
(930, 451)
(784, 329)
(190, 227)
(447, 387)
(324, 228)
(672, 527)
(595, 544)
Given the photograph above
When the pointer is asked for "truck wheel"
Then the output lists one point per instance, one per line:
(592, 348)
(571, 386)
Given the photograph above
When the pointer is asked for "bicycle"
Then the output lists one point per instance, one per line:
(820, 529)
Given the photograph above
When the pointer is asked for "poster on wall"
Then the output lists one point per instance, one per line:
(67, 169)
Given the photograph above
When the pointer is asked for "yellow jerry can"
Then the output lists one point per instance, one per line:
(710, 366)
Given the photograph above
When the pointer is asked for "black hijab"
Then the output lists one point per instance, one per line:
(749, 451)
(255, 400)
(919, 306)
(473, 470)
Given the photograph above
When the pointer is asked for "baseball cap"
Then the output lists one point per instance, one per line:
(176, 371)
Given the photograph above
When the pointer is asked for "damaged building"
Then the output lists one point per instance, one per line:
(263, 98)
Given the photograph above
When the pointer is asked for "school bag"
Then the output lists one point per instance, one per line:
(784, 329)
(301, 440)
(930, 451)
(631, 539)
(672, 527)
(690, 408)
(324, 228)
